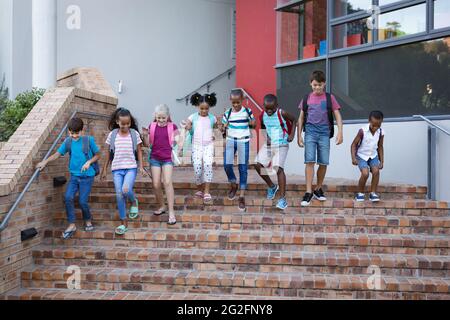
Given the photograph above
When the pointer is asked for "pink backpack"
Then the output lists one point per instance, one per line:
(170, 132)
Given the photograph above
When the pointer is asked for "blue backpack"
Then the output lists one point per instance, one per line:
(86, 148)
(195, 118)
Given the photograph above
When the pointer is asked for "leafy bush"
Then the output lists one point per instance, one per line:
(16, 111)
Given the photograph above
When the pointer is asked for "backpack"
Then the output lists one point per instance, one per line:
(195, 118)
(287, 129)
(228, 115)
(86, 148)
(170, 131)
(112, 146)
(329, 109)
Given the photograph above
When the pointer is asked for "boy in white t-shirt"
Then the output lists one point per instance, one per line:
(368, 155)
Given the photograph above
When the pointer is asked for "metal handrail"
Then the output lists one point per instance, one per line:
(251, 99)
(35, 175)
(431, 123)
(229, 72)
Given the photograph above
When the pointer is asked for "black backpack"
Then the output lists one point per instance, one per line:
(86, 148)
(329, 109)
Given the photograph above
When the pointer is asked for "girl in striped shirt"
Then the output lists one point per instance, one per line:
(125, 155)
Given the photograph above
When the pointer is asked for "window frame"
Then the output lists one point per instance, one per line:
(429, 34)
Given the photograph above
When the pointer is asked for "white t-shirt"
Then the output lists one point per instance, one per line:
(368, 148)
(124, 157)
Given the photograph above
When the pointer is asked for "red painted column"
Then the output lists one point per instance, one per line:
(256, 47)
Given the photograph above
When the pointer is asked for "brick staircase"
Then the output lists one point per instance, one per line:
(217, 252)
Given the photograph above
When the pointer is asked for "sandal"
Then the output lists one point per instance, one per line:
(69, 234)
(121, 230)
(159, 212)
(172, 221)
(89, 228)
(207, 198)
(199, 194)
(134, 211)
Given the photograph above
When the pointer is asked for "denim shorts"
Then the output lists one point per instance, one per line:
(160, 164)
(317, 145)
(363, 164)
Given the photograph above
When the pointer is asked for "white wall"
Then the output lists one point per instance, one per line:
(6, 41)
(15, 45)
(160, 49)
(406, 155)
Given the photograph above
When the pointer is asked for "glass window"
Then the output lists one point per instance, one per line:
(351, 34)
(403, 22)
(400, 81)
(441, 14)
(385, 2)
(302, 31)
(345, 7)
(293, 84)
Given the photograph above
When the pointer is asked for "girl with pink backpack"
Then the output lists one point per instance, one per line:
(163, 135)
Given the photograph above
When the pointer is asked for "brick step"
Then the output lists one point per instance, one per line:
(145, 186)
(66, 294)
(232, 283)
(258, 204)
(257, 240)
(296, 191)
(334, 223)
(232, 260)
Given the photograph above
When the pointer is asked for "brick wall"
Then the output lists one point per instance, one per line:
(27, 147)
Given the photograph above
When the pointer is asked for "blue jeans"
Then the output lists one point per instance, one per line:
(83, 186)
(317, 145)
(243, 150)
(124, 178)
(160, 164)
(369, 164)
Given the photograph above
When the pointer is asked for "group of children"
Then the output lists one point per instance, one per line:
(318, 110)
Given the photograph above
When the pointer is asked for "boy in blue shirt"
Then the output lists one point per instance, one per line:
(82, 168)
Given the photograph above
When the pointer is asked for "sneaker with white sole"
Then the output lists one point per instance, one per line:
(272, 192)
(319, 195)
(360, 197)
(282, 204)
(374, 197)
(307, 199)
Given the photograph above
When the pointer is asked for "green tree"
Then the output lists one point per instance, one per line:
(16, 111)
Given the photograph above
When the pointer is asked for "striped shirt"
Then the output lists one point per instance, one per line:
(274, 129)
(238, 124)
(124, 155)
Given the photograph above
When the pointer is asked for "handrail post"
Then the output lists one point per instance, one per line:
(432, 165)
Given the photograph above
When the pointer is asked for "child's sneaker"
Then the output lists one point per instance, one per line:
(319, 195)
(307, 199)
(374, 197)
(232, 192)
(360, 197)
(242, 206)
(272, 192)
(282, 204)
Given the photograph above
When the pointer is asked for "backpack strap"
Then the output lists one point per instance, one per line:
(280, 118)
(170, 132)
(330, 113)
(212, 119)
(112, 145)
(68, 145)
(261, 119)
(229, 114)
(305, 111)
(134, 135)
(151, 132)
(195, 118)
(85, 146)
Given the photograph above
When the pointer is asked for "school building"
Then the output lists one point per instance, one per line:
(161, 51)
